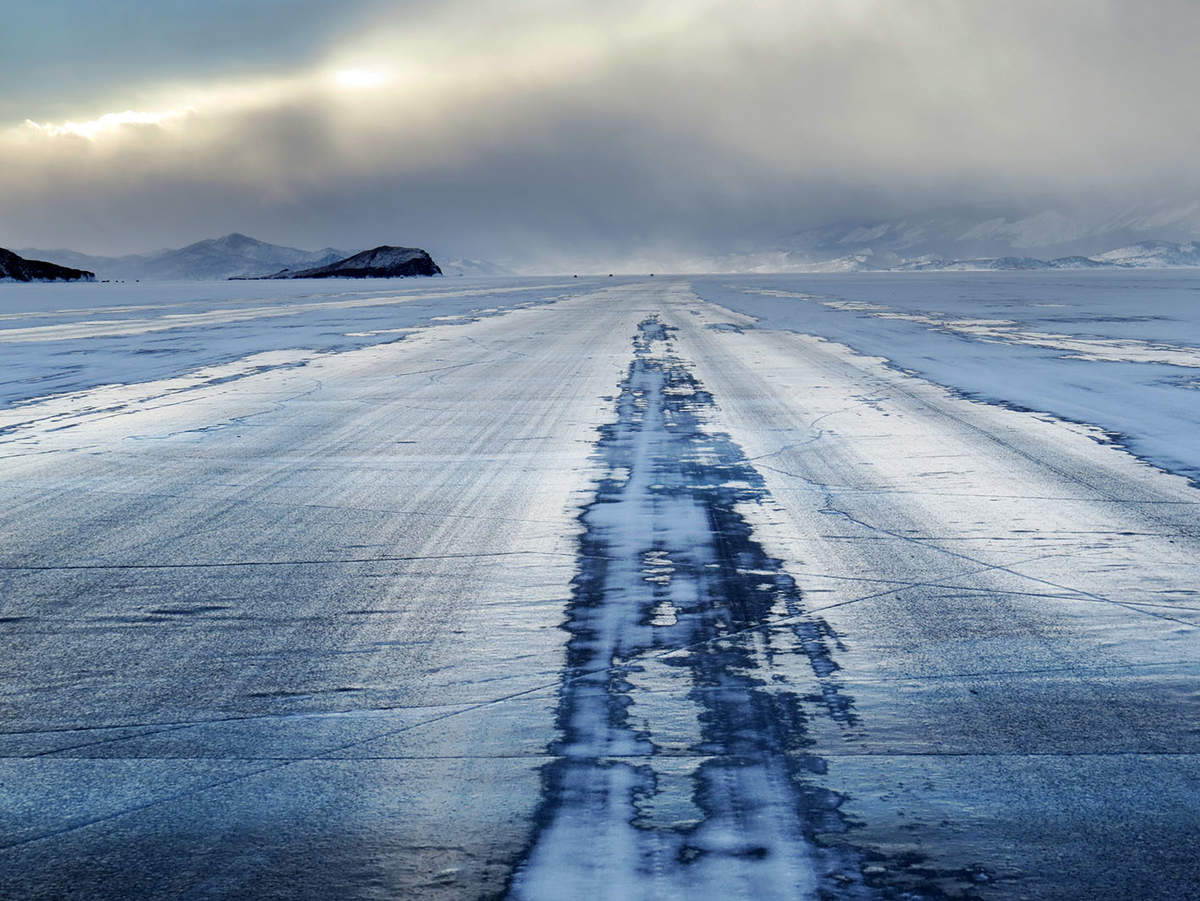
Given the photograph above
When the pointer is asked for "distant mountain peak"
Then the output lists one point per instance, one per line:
(235, 240)
(235, 255)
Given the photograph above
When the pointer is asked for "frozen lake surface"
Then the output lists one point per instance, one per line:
(66, 337)
(705, 587)
(1119, 350)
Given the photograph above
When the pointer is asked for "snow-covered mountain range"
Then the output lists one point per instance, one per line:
(995, 231)
(965, 237)
(1142, 255)
(986, 236)
(1153, 255)
(233, 256)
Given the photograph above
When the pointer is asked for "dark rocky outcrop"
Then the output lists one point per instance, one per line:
(382, 262)
(20, 269)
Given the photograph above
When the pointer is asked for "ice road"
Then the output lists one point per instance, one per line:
(596, 589)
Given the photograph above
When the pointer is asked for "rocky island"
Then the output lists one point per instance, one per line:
(381, 262)
(18, 269)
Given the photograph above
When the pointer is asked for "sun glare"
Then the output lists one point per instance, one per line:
(359, 78)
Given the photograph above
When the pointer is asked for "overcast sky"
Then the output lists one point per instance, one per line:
(552, 128)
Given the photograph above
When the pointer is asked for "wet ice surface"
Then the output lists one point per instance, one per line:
(1117, 350)
(615, 593)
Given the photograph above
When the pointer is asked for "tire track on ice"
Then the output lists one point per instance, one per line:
(691, 773)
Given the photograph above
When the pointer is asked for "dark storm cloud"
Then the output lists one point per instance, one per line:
(570, 128)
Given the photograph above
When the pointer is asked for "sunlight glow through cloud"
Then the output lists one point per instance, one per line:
(359, 78)
(93, 128)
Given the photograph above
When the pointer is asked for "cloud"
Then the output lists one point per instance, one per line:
(107, 123)
(568, 126)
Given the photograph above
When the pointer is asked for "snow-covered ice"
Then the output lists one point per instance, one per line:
(661, 587)
(56, 339)
(1116, 350)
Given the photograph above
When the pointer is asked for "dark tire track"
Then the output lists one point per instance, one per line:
(666, 560)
